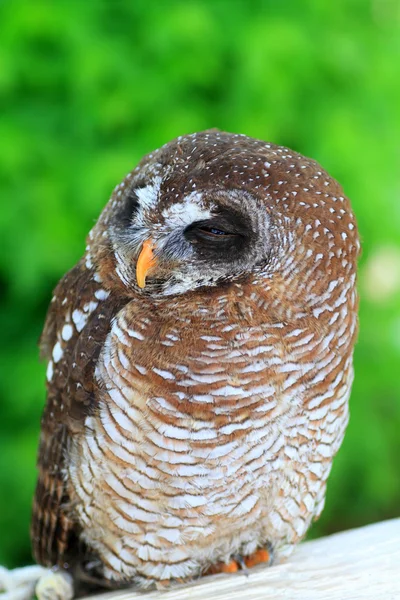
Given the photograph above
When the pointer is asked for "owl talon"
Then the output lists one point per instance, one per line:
(231, 567)
(260, 556)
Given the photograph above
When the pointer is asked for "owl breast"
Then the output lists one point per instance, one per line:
(214, 433)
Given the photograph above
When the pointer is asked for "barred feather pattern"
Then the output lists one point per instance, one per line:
(209, 446)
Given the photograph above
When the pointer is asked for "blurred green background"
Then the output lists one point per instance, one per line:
(87, 88)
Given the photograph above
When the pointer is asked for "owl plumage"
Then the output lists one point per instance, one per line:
(199, 364)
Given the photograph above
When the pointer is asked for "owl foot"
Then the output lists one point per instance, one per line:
(262, 555)
(221, 567)
(24, 583)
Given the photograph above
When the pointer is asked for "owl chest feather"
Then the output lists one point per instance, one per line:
(200, 427)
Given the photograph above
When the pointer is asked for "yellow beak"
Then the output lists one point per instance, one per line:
(145, 262)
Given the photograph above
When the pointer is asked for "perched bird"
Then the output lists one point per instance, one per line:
(199, 366)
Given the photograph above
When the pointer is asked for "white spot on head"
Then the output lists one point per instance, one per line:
(148, 196)
(184, 213)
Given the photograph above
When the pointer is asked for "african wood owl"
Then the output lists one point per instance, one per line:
(199, 366)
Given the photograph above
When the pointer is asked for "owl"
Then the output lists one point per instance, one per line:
(199, 366)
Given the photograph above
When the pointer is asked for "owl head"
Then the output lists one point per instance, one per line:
(215, 209)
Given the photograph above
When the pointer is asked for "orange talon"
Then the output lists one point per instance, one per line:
(258, 557)
(231, 567)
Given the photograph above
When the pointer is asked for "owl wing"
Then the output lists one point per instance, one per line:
(76, 326)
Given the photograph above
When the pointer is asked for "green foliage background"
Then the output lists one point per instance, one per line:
(87, 88)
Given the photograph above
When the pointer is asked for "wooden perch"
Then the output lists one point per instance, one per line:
(358, 564)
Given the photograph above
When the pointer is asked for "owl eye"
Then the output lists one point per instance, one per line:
(224, 236)
(214, 231)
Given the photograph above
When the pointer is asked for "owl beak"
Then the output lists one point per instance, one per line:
(145, 262)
